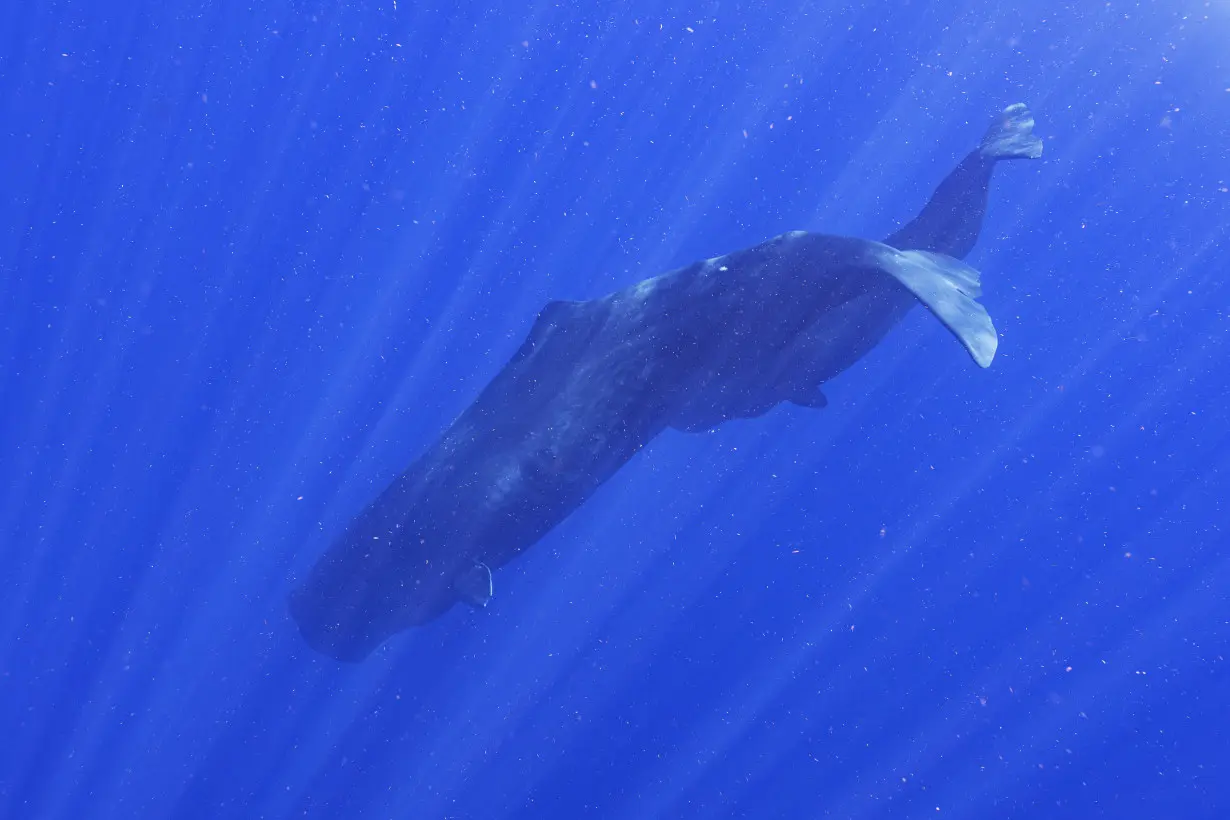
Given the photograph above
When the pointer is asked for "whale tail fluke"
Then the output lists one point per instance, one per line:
(1011, 135)
(952, 219)
(950, 289)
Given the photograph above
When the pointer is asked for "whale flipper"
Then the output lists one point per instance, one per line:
(812, 399)
(701, 416)
(473, 585)
(950, 289)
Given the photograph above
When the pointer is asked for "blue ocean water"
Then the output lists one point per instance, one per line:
(254, 259)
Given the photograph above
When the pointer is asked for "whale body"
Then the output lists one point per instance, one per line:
(724, 338)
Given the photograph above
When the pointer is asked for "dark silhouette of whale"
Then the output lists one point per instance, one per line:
(725, 338)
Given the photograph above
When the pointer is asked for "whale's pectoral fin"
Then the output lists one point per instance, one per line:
(473, 585)
(950, 289)
(810, 398)
(710, 407)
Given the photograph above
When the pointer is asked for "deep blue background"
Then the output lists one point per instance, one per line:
(254, 259)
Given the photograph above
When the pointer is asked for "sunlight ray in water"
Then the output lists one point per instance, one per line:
(256, 261)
